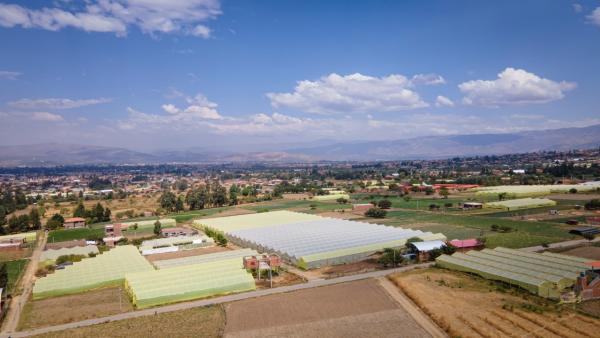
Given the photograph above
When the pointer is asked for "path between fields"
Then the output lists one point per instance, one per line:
(421, 318)
(560, 245)
(26, 285)
(217, 300)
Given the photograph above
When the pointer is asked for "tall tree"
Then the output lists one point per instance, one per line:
(80, 211)
(167, 201)
(34, 218)
(234, 191)
(157, 227)
(179, 204)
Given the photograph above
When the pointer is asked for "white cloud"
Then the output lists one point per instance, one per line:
(199, 107)
(442, 101)
(594, 17)
(169, 108)
(513, 86)
(45, 116)
(354, 93)
(8, 75)
(116, 16)
(577, 8)
(55, 103)
(427, 79)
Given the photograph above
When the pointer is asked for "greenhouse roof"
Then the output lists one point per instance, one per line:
(521, 203)
(213, 257)
(538, 189)
(178, 240)
(52, 254)
(107, 268)
(263, 219)
(531, 264)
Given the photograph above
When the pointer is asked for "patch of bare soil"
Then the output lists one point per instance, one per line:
(231, 212)
(591, 307)
(357, 309)
(296, 197)
(348, 214)
(349, 269)
(185, 253)
(284, 278)
(485, 311)
(72, 308)
(591, 252)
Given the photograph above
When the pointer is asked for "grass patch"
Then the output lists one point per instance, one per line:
(63, 235)
(15, 269)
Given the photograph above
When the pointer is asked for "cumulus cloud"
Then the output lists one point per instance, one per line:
(354, 93)
(55, 103)
(594, 17)
(8, 75)
(513, 86)
(199, 107)
(442, 101)
(427, 79)
(45, 116)
(171, 109)
(116, 16)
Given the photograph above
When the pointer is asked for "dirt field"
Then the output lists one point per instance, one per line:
(591, 252)
(296, 197)
(205, 322)
(348, 269)
(357, 309)
(66, 309)
(487, 312)
(185, 253)
(591, 306)
(284, 278)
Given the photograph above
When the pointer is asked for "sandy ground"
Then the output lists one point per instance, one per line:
(591, 252)
(59, 310)
(284, 278)
(296, 197)
(348, 214)
(484, 312)
(185, 253)
(348, 269)
(357, 309)
(205, 322)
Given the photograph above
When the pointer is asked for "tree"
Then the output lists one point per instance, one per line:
(342, 200)
(80, 211)
(391, 257)
(34, 218)
(219, 195)
(167, 201)
(406, 198)
(572, 191)
(3, 276)
(444, 192)
(593, 204)
(157, 227)
(55, 222)
(179, 204)
(97, 214)
(2, 215)
(106, 216)
(502, 196)
(376, 213)
(181, 185)
(197, 198)
(19, 223)
(384, 204)
(234, 191)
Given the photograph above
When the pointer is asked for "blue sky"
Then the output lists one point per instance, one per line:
(157, 74)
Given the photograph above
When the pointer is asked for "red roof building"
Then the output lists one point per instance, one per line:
(74, 222)
(466, 244)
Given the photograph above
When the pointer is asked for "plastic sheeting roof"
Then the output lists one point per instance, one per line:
(428, 245)
(52, 254)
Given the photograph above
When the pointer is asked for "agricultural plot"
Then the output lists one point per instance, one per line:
(357, 309)
(52, 255)
(331, 197)
(14, 270)
(521, 203)
(187, 282)
(208, 258)
(63, 235)
(107, 269)
(311, 241)
(28, 236)
(487, 313)
(536, 190)
(546, 275)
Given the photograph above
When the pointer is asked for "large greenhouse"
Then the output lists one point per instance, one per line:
(547, 275)
(311, 241)
(536, 190)
(106, 269)
(187, 282)
(521, 203)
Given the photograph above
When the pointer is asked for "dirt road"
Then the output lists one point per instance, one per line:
(25, 285)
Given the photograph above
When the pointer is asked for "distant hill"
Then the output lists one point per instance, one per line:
(427, 147)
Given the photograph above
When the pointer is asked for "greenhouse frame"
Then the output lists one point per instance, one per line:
(521, 203)
(106, 269)
(310, 241)
(188, 282)
(547, 275)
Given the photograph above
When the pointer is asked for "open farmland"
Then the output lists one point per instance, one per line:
(485, 312)
(92, 304)
(206, 322)
(357, 309)
(591, 252)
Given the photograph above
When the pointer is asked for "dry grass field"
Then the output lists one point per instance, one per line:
(486, 312)
(72, 308)
(206, 322)
(357, 309)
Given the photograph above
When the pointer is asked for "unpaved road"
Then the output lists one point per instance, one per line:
(26, 285)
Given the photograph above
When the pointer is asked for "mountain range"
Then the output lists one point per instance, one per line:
(427, 147)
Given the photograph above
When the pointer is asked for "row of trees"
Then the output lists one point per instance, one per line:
(95, 215)
(21, 223)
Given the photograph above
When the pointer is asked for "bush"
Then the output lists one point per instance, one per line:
(384, 204)
(448, 205)
(572, 191)
(342, 200)
(376, 213)
(593, 204)
(69, 258)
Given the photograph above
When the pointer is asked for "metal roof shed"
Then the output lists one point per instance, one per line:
(428, 245)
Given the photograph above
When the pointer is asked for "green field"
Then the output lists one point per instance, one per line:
(15, 269)
(74, 234)
(523, 233)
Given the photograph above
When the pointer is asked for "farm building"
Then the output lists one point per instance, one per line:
(463, 245)
(585, 231)
(176, 231)
(521, 203)
(547, 275)
(106, 269)
(311, 241)
(74, 223)
(472, 205)
(588, 284)
(422, 249)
